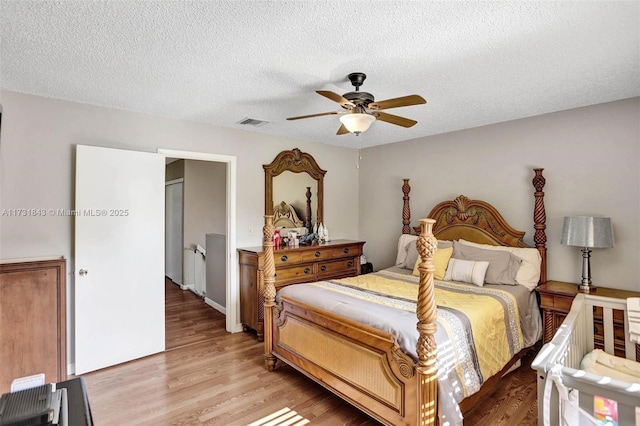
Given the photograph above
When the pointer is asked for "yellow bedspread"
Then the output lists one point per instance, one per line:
(482, 325)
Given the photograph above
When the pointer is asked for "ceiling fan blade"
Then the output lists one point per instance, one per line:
(314, 115)
(342, 130)
(395, 119)
(397, 102)
(336, 98)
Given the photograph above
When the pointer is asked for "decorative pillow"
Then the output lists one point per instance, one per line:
(412, 252)
(529, 272)
(503, 266)
(440, 261)
(466, 271)
(403, 244)
(443, 244)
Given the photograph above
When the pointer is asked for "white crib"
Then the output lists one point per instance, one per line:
(572, 341)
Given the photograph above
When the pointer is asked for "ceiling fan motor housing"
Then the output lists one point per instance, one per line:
(363, 98)
(358, 97)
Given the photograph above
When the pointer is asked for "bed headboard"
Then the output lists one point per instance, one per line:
(473, 220)
(480, 222)
(285, 216)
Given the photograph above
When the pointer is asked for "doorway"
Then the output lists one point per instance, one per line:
(232, 322)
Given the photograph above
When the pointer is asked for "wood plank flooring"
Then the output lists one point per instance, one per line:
(215, 378)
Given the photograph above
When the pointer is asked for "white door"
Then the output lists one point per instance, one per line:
(173, 242)
(119, 256)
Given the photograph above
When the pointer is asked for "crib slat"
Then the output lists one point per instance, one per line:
(629, 347)
(588, 324)
(607, 322)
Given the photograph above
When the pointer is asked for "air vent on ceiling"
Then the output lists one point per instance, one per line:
(251, 122)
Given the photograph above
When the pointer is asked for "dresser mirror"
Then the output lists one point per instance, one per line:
(295, 178)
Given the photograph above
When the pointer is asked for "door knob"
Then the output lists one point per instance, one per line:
(83, 272)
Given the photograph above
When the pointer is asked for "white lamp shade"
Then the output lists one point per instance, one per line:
(586, 231)
(357, 122)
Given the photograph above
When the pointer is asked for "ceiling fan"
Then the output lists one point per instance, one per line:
(361, 109)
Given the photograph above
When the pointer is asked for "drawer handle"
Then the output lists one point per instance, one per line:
(307, 270)
(323, 268)
(346, 250)
(284, 258)
(317, 254)
(350, 264)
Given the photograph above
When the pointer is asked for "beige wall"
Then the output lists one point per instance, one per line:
(174, 170)
(591, 158)
(205, 201)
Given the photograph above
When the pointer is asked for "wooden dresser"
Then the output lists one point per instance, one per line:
(556, 298)
(32, 320)
(335, 259)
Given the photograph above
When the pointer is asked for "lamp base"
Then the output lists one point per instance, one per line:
(586, 288)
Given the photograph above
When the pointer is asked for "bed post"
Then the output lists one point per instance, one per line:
(427, 370)
(307, 217)
(406, 211)
(540, 219)
(269, 291)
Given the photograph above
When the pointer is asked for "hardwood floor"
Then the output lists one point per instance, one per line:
(188, 319)
(216, 378)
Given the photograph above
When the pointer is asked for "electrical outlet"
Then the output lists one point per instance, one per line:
(250, 230)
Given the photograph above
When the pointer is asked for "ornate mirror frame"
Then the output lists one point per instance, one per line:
(298, 162)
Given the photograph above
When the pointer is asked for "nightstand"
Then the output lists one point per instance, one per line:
(555, 301)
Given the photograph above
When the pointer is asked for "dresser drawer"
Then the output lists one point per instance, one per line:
(316, 254)
(546, 301)
(287, 258)
(556, 302)
(347, 251)
(336, 268)
(295, 273)
(563, 303)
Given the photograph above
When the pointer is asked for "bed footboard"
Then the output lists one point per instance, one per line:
(361, 364)
(560, 360)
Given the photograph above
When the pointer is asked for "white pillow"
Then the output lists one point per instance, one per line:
(403, 245)
(466, 271)
(529, 271)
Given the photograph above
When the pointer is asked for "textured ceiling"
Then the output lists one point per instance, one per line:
(218, 62)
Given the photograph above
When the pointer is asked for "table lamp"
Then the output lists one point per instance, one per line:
(587, 232)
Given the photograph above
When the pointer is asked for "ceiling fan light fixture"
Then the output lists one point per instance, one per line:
(357, 122)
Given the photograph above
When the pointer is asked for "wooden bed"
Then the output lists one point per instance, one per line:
(372, 372)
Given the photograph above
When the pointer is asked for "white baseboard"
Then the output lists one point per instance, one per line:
(216, 306)
(186, 287)
(237, 328)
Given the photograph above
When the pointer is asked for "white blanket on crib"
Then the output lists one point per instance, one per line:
(603, 364)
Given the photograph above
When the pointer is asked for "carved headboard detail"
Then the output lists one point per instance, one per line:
(473, 220)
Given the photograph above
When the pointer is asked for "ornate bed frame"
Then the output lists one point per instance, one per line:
(372, 372)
